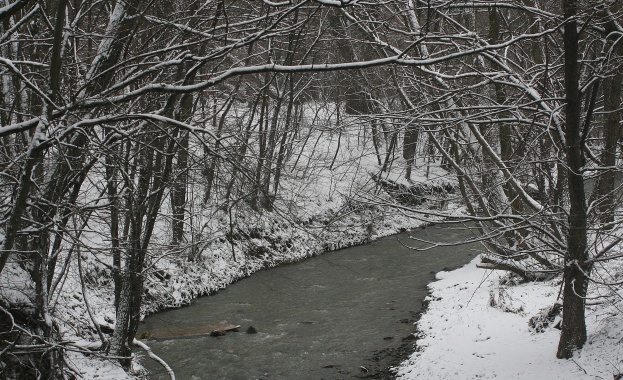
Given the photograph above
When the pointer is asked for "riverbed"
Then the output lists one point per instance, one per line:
(330, 317)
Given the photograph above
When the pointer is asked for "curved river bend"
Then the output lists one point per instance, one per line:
(323, 318)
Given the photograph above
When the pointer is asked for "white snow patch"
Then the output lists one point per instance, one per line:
(463, 337)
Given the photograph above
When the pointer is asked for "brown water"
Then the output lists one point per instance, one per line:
(323, 318)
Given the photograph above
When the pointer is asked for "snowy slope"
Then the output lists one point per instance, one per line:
(462, 336)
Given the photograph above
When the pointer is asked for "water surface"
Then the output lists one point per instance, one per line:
(323, 318)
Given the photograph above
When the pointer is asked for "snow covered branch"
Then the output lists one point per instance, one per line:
(155, 357)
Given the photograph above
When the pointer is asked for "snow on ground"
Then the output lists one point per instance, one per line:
(462, 336)
(95, 368)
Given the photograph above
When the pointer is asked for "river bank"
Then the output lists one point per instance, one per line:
(477, 326)
(301, 247)
(330, 317)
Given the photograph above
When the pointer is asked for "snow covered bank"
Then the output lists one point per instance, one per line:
(476, 327)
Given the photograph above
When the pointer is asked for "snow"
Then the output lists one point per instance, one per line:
(15, 287)
(95, 368)
(463, 336)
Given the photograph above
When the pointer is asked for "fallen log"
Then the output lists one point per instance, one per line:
(211, 329)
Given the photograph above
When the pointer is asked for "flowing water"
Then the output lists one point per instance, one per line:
(328, 317)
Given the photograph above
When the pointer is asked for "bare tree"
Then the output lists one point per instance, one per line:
(110, 111)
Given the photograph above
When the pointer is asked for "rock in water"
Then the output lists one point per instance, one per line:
(251, 330)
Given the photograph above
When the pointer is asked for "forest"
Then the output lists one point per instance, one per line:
(149, 144)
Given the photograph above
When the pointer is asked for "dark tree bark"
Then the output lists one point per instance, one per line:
(604, 193)
(113, 199)
(390, 151)
(573, 335)
(178, 191)
(376, 141)
(263, 123)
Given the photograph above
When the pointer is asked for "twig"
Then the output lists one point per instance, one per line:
(579, 366)
(86, 301)
(155, 357)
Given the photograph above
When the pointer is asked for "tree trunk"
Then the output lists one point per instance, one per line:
(376, 141)
(267, 200)
(390, 152)
(573, 335)
(113, 199)
(604, 193)
(178, 191)
(409, 147)
(263, 123)
(291, 123)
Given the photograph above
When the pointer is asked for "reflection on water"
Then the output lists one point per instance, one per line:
(319, 319)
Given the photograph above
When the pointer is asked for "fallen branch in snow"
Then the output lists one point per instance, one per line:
(506, 267)
(526, 275)
(155, 357)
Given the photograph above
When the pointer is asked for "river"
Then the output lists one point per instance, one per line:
(340, 315)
